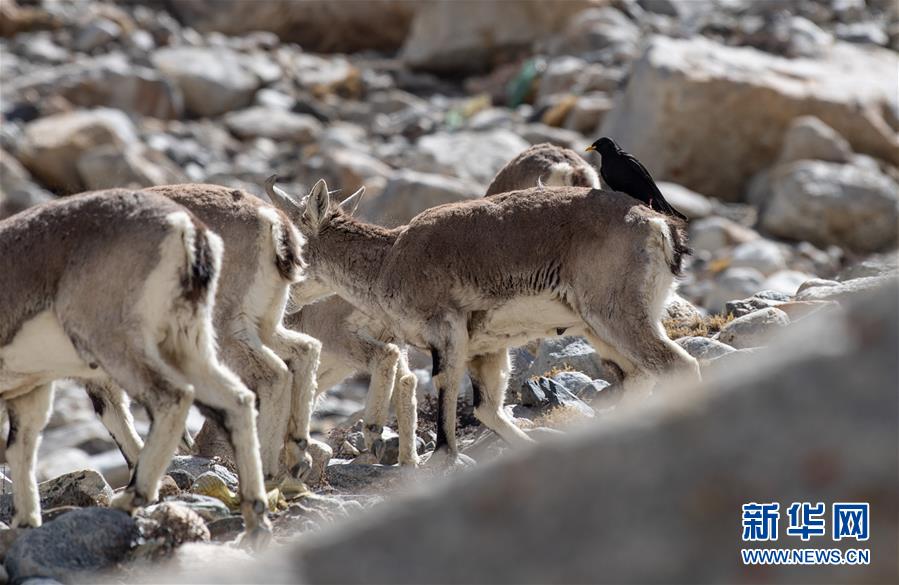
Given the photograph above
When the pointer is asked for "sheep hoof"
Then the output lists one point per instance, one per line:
(258, 538)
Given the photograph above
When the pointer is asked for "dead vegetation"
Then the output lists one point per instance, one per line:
(698, 327)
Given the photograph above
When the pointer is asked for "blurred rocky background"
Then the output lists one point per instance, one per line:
(771, 124)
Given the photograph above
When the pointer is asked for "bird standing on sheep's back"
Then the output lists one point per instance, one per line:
(622, 172)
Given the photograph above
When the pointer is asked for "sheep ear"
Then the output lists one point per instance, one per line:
(281, 199)
(351, 203)
(317, 202)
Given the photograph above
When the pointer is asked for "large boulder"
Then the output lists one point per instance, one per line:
(832, 204)
(73, 547)
(640, 498)
(453, 36)
(53, 145)
(408, 193)
(82, 488)
(708, 116)
(477, 156)
(274, 123)
(133, 166)
(17, 190)
(808, 138)
(213, 80)
(318, 25)
(110, 81)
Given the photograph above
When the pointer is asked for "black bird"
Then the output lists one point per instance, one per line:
(622, 172)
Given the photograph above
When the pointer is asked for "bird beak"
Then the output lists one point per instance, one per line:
(590, 148)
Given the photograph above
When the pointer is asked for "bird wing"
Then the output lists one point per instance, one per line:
(657, 197)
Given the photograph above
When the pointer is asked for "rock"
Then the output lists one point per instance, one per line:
(213, 80)
(15, 19)
(703, 348)
(679, 472)
(679, 139)
(168, 487)
(843, 291)
(680, 310)
(133, 166)
(572, 353)
(17, 190)
(797, 310)
(714, 233)
(274, 123)
(408, 193)
(183, 479)
(604, 34)
(97, 33)
(741, 307)
(763, 255)
(353, 169)
(53, 145)
(358, 478)
(73, 547)
(827, 203)
(321, 455)
(317, 25)
(755, 329)
(196, 466)
(690, 203)
(544, 393)
(111, 81)
(808, 138)
(166, 526)
(7, 537)
(387, 449)
(208, 508)
(574, 382)
(226, 529)
(588, 112)
(874, 265)
(453, 36)
(80, 488)
(733, 283)
(786, 281)
(477, 156)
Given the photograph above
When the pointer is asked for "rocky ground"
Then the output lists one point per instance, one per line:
(771, 125)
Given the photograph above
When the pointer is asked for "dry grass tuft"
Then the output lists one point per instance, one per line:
(560, 417)
(698, 327)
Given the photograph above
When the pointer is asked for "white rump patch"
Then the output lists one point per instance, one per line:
(39, 353)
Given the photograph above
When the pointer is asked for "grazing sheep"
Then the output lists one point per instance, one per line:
(119, 285)
(468, 280)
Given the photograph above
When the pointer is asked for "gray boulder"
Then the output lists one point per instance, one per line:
(213, 80)
(833, 204)
(808, 138)
(568, 353)
(197, 466)
(704, 349)
(17, 190)
(53, 145)
(476, 156)
(546, 393)
(453, 36)
(73, 547)
(408, 193)
(111, 81)
(679, 138)
(755, 329)
(83, 488)
(274, 123)
(842, 291)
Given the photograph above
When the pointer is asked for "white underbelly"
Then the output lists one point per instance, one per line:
(39, 353)
(521, 320)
